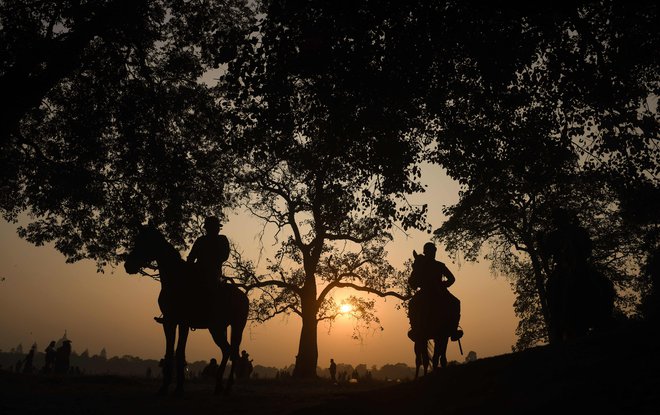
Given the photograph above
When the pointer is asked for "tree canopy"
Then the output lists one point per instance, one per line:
(108, 123)
(573, 125)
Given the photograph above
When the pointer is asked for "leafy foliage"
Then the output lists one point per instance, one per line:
(570, 123)
(110, 124)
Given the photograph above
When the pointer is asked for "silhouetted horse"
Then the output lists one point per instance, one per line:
(431, 319)
(184, 305)
(579, 301)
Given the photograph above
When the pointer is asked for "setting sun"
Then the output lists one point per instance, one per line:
(345, 308)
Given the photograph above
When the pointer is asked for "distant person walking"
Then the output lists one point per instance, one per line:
(50, 357)
(210, 372)
(62, 356)
(27, 365)
(244, 368)
(333, 371)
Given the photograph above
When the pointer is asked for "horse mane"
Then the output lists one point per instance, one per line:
(414, 280)
(171, 250)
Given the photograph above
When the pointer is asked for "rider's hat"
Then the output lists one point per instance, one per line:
(430, 247)
(212, 221)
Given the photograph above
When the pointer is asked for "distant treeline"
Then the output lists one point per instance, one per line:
(135, 366)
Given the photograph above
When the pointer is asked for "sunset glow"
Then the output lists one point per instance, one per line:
(67, 289)
(345, 308)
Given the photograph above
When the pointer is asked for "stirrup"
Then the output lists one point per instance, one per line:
(159, 320)
(457, 335)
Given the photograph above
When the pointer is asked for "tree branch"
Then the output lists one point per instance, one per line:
(371, 290)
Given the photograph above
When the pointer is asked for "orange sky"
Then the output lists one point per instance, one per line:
(42, 296)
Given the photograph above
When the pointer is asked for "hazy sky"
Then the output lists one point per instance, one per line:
(42, 296)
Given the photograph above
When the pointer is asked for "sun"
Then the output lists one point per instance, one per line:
(345, 308)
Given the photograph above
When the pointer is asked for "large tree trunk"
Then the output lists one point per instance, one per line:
(308, 352)
(539, 278)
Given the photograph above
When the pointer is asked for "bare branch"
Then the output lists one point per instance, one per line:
(372, 290)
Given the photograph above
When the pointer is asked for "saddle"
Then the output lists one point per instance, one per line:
(430, 315)
(197, 305)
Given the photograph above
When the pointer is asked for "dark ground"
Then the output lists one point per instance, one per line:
(618, 373)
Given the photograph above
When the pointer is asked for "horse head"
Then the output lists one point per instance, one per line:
(414, 279)
(144, 250)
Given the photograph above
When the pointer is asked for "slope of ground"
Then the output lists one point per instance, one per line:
(612, 373)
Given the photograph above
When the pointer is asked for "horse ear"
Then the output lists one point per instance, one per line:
(415, 254)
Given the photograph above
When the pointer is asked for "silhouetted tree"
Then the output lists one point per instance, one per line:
(328, 164)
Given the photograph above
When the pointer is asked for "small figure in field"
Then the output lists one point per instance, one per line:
(244, 369)
(62, 355)
(211, 370)
(27, 364)
(333, 371)
(50, 357)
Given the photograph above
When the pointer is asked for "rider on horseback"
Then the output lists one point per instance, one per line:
(433, 278)
(209, 252)
(206, 256)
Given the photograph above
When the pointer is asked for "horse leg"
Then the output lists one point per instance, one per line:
(436, 354)
(234, 345)
(181, 358)
(425, 357)
(441, 349)
(418, 358)
(220, 338)
(170, 334)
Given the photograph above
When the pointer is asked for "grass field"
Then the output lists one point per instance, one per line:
(614, 373)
